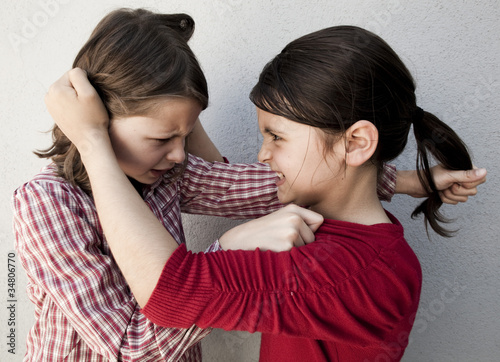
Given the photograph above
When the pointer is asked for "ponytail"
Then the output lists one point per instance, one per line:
(437, 139)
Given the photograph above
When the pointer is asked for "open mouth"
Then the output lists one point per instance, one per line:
(280, 180)
(159, 173)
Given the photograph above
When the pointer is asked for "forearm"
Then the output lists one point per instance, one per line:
(199, 144)
(237, 191)
(139, 243)
(407, 183)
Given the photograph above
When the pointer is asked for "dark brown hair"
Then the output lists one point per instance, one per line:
(133, 58)
(334, 77)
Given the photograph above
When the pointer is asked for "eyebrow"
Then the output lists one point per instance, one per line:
(268, 130)
(162, 136)
(172, 134)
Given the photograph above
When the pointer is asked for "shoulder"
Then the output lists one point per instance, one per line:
(370, 262)
(354, 251)
(48, 176)
(48, 185)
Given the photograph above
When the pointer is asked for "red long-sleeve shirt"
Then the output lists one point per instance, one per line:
(352, 295)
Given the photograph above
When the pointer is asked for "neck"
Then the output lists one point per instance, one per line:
(354, 198)
(137, 185)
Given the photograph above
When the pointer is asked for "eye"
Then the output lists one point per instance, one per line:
(162, 140)
(274, 137)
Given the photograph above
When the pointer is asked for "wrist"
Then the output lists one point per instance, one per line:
(407, 182)
(230, 239)
(224, 242)
(92, 142)
(97, 153)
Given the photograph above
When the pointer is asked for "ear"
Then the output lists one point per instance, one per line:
(361, 142)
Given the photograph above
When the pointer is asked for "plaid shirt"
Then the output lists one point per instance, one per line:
(84, 309)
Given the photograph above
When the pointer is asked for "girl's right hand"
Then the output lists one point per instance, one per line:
(279, 231)
(76, 107)
(457, 186)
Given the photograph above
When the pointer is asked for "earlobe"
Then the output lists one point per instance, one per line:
(361, 142)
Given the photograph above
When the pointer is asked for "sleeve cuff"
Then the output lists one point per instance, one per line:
(214, 247)
(387, 184)
(181, 292)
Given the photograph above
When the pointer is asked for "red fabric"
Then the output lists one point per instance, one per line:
(350, 296)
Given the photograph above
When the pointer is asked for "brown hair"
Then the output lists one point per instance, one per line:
(334, 77)
(133, 58)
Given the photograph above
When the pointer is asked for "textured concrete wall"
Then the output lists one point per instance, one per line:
(452, 48)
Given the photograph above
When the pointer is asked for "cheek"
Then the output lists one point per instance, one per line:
(311, 170)
(133, 154)
(126, 150)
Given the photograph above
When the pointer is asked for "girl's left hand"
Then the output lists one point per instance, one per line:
(76, 107)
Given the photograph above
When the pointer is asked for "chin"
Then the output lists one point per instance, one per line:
(286, 200)
(145, 180)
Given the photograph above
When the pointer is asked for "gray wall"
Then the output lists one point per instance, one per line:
(452, 48)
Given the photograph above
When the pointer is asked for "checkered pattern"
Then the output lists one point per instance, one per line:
(84, 309)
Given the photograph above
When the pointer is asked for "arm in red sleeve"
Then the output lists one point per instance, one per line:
(303, 293)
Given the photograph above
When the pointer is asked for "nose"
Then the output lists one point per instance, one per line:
(264, 155)
(178, 153)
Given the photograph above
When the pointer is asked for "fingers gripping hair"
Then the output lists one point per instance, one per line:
(434, 138)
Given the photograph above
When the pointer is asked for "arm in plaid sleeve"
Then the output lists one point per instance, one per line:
(243, 190)
(236, 191)
(60, 244)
